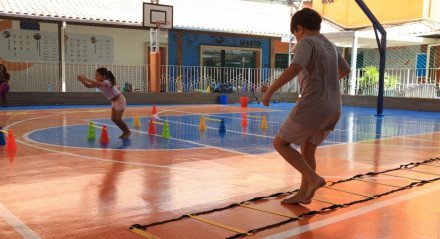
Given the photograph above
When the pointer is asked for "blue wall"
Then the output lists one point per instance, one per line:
(192, 41)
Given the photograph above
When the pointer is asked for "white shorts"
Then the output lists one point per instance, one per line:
(119, 104)
(297, 134)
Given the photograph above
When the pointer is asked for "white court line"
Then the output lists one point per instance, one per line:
(351, 214)
(370, 116)
(17, 224)
(326, 141)
(26, 137)
(218, 115)
(165, 166)
(182, 140)
(114, 161)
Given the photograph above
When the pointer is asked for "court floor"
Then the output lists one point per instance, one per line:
(61, 185)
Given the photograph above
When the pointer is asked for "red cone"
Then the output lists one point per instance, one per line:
(154, 110)
(11, 145)
(244, 122)
(104, 136)
(151, 127)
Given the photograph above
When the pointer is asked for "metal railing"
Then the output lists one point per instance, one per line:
(136, 75)
(402, 82)
(201, 79)
(45, 77)
(32, 76)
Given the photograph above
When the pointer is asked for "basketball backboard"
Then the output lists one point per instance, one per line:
(157, 12)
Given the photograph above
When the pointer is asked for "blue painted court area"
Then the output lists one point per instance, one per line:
(356, 124)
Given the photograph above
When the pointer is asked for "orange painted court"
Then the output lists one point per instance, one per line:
(60, 185)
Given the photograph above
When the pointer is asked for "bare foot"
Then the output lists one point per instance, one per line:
(313, 185)
(298, 198)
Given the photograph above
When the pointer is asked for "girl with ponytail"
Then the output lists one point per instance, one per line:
(106, 82)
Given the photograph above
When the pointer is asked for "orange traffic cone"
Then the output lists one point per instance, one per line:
(11, 145)
(244, 122)
(264, 122)
(137, 122)
(202, 125)
(151, 127)
(104, 136)
(154, 110)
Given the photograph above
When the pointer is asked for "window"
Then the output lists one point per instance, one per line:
(281, 60)
(234, 62)
(229, 57)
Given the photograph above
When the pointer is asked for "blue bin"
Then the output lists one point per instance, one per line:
(223, 99)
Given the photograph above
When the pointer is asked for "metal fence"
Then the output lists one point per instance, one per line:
(136, 75)
(45, 76)
(403, 82)
(203, 79)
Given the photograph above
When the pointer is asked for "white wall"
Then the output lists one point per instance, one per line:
(127, 57)
(129, 45)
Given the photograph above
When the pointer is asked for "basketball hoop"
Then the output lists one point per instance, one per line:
(161, 30)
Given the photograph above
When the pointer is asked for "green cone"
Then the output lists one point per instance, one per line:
(166, 131)
(91, 132)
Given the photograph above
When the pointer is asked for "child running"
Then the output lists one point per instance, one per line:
(4, 85)
(319, 66)
(106, 82)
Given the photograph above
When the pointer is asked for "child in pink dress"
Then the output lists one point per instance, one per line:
(106, 82)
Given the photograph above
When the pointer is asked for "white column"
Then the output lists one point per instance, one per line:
(63, 57)
(353, 64)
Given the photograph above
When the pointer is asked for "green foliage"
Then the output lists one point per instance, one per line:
(391, 81)
(370, 78)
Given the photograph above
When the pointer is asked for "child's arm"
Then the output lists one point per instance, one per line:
(343, 67)
(90, 83)
(303, 52)
(343, 73)
(291, 72)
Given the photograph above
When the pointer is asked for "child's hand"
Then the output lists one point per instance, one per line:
(266, 99)
(79, 77)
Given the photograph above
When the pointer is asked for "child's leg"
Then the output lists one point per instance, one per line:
(117, 119)
(308, 153)
(312, 181)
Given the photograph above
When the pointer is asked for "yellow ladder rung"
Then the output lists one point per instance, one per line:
(385, 184)
(433, 174)
(268, 211)
(397, 176)
(4, 131)
(96, 126)
(344, 191)
(159, 123)
(142, 233)
(326, 202)
(250, 116)
(217, 224)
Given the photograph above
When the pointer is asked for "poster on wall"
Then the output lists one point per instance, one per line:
(86, 48)
(21, 45)
(41, 46)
